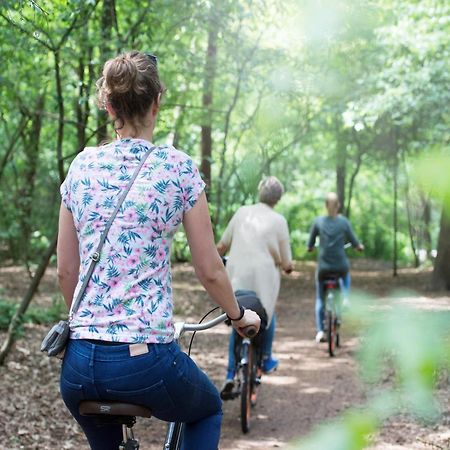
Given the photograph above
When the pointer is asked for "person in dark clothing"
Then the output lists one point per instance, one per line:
(334, 230)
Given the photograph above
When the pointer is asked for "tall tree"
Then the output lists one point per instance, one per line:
(207, 96)
(107, 23)
(441, 272)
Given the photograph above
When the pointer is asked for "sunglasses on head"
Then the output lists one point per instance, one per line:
(152, 58)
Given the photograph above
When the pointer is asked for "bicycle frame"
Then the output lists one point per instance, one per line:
(248, 362)
(175, 429)
(331, 288)
(245, 346)
(332, 293)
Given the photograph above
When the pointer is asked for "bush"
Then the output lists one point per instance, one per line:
(34, 314)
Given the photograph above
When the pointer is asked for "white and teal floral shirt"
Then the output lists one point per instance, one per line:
(129, 296)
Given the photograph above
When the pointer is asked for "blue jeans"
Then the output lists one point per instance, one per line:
(267, 341)
(344, 283)
(165, 380)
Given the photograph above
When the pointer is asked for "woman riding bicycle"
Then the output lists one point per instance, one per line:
(121, 343)
(258, 240)
(333, 231)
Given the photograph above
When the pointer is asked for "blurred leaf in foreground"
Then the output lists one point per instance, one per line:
(432, 174)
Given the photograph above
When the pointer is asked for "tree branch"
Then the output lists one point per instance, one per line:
(12, 143)
(26, 32)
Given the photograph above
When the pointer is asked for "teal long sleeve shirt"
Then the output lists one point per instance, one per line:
(334, 233)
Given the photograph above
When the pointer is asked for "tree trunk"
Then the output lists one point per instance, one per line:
(441, 272)
(31, 138)
(108, 20)
(15, 321)
(426, 216)
(341, 165)
(61, 113)
(82, 107)
(10, 145)
(352, 184)
(395, 210)
(412, 232)
(207, 99)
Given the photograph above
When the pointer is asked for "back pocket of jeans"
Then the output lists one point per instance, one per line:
(72, 393)
(156, 397)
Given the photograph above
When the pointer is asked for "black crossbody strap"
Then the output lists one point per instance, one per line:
(96, 255)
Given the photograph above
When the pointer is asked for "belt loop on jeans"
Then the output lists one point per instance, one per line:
(91, 363)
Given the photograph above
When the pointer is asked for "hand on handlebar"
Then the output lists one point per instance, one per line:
(310, 249)
(250, 320)
(360, 248)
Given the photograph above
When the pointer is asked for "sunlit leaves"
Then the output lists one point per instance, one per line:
(432, 173)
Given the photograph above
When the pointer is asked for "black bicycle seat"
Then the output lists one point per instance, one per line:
(331, 276)
(108, 408)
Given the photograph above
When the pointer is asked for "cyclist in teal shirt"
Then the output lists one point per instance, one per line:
(334, 230)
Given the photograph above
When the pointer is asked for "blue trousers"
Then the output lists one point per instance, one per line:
(344, 283)
(165, 380)
(267, 341)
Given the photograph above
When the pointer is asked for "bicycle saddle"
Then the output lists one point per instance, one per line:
(330, 276)
(107, 408)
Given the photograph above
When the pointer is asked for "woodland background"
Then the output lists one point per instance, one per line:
(326, 95)
(344, 95)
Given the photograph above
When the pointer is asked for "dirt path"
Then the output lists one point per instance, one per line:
(308, 388)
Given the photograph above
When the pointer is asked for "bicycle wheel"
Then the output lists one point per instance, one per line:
(331, 333)
(338, 321)
(255, 384)
(246, 389)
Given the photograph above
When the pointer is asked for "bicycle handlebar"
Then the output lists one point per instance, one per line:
(206, 325)
(181, 327)
(346, 246)
(250, 331)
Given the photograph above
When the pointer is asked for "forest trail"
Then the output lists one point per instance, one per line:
(308, 388)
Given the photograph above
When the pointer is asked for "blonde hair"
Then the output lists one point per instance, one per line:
(332, 198)
(130, 84)
(270, 190)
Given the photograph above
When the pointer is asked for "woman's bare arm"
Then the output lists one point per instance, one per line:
(68, 258)
(208, 265)
(221, 248)
(225, 241)
(285, 248)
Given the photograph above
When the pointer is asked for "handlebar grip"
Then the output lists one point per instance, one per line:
(250, 331)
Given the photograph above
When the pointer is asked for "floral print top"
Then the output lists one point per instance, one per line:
(129, 296)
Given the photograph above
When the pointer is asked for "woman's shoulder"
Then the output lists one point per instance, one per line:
(85, 156)
(280, 218)
(175, 154)
(274, 215)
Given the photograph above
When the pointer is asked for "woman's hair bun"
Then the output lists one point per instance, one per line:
(130, 85)
(121, 75)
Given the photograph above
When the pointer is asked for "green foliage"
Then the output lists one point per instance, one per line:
(352, 432)
(51, 314)
(431, 172)
(410, 346)
(7, 310)
(34, 314)
(301, 91)
(180, 249)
